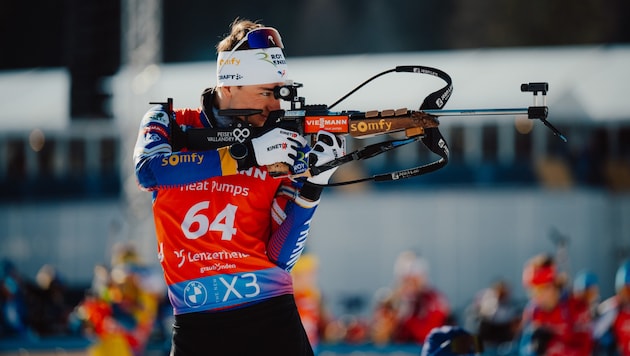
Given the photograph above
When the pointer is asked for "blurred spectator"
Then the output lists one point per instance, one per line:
(417, 306)
(586, 288)
(13, 301)
(493, 315)
(612, 327)
(308, 297)
(334, 331)
(50, 309)
(384, 317)
(100, 280)
(357, 330)
(126, 255)
(100, 324)
(554, 323)
(420, 307)
(451, 341)
(348, 328)
(120, 311)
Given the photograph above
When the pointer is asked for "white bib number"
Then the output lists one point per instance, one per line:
(196, 223)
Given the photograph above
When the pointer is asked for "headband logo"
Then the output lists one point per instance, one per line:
(251, 67)
(233, 61)
(230, 76)
(274, 59)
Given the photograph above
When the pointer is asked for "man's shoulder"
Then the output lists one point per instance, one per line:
(189, 117)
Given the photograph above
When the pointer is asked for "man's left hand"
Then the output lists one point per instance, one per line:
(327, 148)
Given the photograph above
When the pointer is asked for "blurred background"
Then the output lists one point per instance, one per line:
(76, 77)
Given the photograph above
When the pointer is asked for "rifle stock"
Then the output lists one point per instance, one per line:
(359, 125)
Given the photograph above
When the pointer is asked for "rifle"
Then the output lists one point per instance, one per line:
(415, 125)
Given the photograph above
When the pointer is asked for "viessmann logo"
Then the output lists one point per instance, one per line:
(334, 124)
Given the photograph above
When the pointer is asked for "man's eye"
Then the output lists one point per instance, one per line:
(265, 94)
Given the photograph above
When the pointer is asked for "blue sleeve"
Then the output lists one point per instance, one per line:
(156, 166)
(287, 242)
(525, 346)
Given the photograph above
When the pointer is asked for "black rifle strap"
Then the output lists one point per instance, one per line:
(432, 137)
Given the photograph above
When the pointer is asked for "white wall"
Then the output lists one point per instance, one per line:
(468, 237)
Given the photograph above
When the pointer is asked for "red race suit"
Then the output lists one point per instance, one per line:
(568, 326)
(225, 237)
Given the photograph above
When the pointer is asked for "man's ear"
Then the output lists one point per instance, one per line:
(224, 96)
(225, 92)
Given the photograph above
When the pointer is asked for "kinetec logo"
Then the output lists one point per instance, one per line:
(280, 146)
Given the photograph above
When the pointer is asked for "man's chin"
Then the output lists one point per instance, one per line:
(257, 121)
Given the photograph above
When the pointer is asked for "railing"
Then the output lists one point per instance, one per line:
(82, 162)
(75, 345)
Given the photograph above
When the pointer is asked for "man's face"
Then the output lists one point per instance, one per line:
(252, 97)
(545, 296)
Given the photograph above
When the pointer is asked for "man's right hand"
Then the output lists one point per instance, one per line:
(277, 146)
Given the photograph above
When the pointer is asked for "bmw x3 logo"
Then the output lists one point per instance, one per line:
(195, 294)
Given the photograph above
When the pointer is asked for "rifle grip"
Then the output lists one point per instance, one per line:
(279, 169)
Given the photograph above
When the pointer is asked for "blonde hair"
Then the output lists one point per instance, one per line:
(238, 29)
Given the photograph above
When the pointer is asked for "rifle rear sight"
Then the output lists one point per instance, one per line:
(288, 92)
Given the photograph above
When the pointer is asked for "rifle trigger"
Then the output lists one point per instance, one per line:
(414, 131)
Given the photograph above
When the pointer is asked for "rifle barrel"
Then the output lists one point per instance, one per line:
(477, 112)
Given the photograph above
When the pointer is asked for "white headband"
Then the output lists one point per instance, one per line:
(251, 67)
